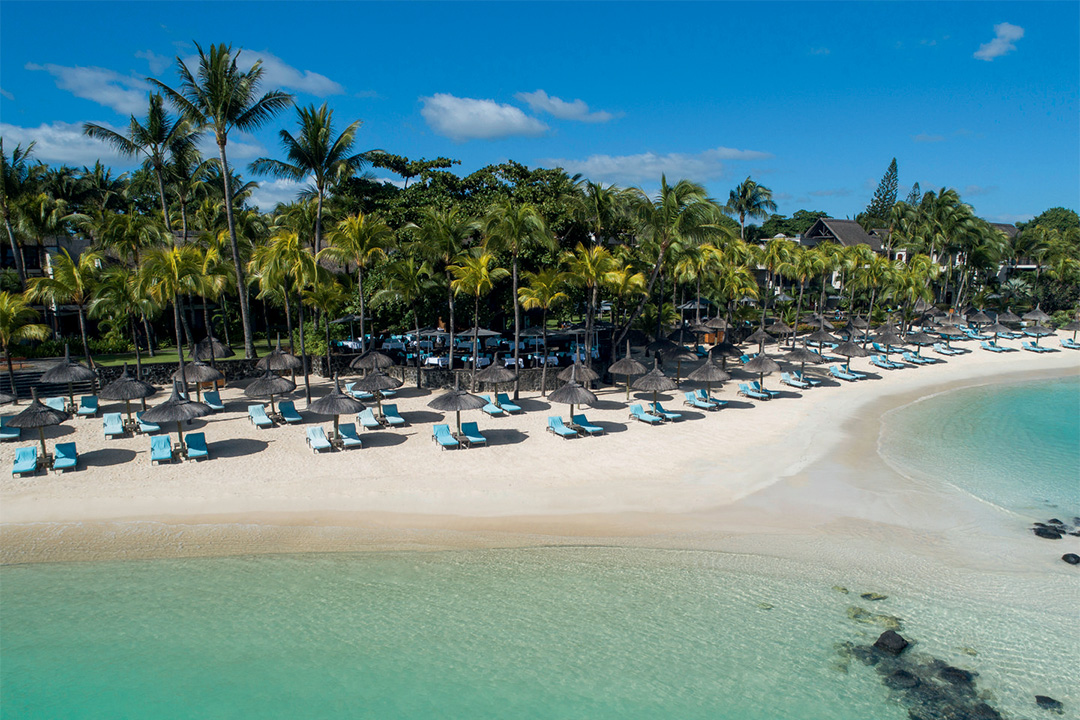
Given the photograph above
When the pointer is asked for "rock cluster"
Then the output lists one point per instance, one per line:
(1054, 529)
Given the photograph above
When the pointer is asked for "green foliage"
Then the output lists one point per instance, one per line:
(9, 281)
(315, 337)
(877, 212)
(915, 196)
(797, 224)
(1057, 218)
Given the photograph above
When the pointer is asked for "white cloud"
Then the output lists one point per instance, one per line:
(62, 143)
(648, 167)
(240, 147)
(277, 74)
(158, 63)
(463, 119)
(396, 182)
(927, 138)
(540, 101)
(6, 94)
(271, 192)
(122, 93)
(1011, 218)
(1005, 35)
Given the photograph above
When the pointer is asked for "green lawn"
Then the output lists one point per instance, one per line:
(161, 355)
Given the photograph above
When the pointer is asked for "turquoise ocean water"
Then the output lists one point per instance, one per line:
(538, 633)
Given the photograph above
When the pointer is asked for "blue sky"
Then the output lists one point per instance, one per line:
(811, 99)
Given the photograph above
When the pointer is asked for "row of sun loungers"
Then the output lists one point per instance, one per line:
(1031, 347)
(579, 426)
(65, 457)
(469, 436)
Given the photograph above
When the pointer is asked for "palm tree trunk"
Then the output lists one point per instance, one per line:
(645, 296)
(183, 219)
(85, 343)
(517, 328)
(543, 371)
(241, 284)
(416, 327)
(450, 292)
(209, 331)
(135, 342)
(329, 369)
(697, 301)
(16, 251)
(164, 202)
(288, 320)
(11, 373)
(318, 223)
(303, 351)
(266, 324)
(798, 313)
(870, 317)
(360, 288)
(179, 342)
(475, 340)
(149, 336)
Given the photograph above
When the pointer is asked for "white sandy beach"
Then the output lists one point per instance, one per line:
(739, 472)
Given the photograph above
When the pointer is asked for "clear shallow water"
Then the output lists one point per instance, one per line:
(1015, 445)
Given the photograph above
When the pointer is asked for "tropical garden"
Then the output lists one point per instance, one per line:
(175, 251)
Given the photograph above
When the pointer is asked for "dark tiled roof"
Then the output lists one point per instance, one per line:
(845, 232)
(1009, 230)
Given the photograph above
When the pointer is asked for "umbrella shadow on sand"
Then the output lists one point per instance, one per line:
(643, 396)
(107, 457)
(236, 447)
(422, 417)
(611, 404)
(610, 427)
(503, 436)
(737, 405)
(533, 404)
(383, 439)
(59, 431)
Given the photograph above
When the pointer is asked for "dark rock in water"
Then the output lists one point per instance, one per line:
(1054, 521)
(1049, 703)
(891, 642)
(982, 711)
(861, 615)
(865, 654)
(1075, 533)
(840, 589)
(1039, 524)
(873, 596)
(900, 680)
(1048, 533)
(1071, 558)
(1076, 521)
(956, 676)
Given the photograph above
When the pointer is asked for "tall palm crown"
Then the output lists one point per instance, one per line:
(223, 97)
(156, 139)
(406, 281)
(72, 282)
(750, 200)
(587, 267)
(543, 290)
(475, 273)
(17, 323)
(359, 240)
(317, 154)
(18, 178)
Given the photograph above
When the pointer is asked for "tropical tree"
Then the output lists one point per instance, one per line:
(17, 324)
(405, 281)
(751, 200)
(119, 300)
(775, 254)
(18, 179)
(600, 208)
(515, 228)
(543, 291)
(326, 295)
(359, 240)
(155, 140)
(804, 265)
(315, 153)
(289, 255)
(127, 235)
(222, 97)
(587, 266)
(39, 217)
(475, 273)
(166, 275)
(72, 283)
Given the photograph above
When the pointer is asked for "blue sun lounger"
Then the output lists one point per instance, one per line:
(470, 435)
(787, 379)
(582, 425)
(1070, 344)
(944, 350)
(882, 362)
(65, 457)
(747, 391)
(441, 434)
(147, 428)
(25, 461)
(803, 378)
(658, 409)
(993, 346)
(692, 400)
(391, 415)
(160, 449)
(213, 399)
(1036, 348)
(316, 440)
(771, 393)
(918, 359)
(366, 418)
(113, 423)
(88, 406)
(348, 436)
(257, 414)
(839, 373)
(196, 446)
(6, 431)
(288, 412)
(638, 413)
(56, 403)
(702, 395)
(358, 394)
(491, 408)
(505, 404)
(558, 427)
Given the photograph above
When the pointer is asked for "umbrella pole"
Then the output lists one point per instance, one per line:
(41, 434)
(127, 404)
(273, 410)
(458, 413)
(336, 426)
(180, 433)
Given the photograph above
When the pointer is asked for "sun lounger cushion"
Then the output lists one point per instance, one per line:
(160, 449)
(441, 434)
(146, 428)
(316, 440)
(658, 409)
(638, 413)
(213, 399)
(88, 406)
(65, 456)
(288, 412)
(582, 423)
(7, 432)
(470, 433)
(258, 415)
(196, 446)
(492, 409)
(557, 426)
(505, 404)
(391, 415)
(113, 424)
(349, 438)
(747, 391)
(25, 461)
(366, 418)
(56, 403)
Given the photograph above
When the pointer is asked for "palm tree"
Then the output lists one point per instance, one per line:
(587, 267)
(166, 275)
(156, 140)
(625, 283)
(72, 282)
(39, 217)
(223, 97)
(315, 153)
(127, 235)
(18, 178)
(16, 324)
(327, 296)
(774, 255)
(516, 228)
(359, 240)
(751, 200)
(441, 236)
(543, 291)
(119, 299)
(475, 273)
(286, 252)
(600, 208)
(405, 281)
(805, 264)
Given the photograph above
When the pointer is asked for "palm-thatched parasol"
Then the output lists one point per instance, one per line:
(375, 382)
(579, 372)
(1009, 317)
(176, 409)
(277, 360)
(850, 350)
(922, 306)
(40, 416)
(888, 337)
(655, 382)
(456, 401)
(980, 318)
(821, 321)
(627, 366)
(1036, 316)
(723, 351)
(950, 333)
(660, 346)
(5, 398)
(336, 403)
(996, 328)
(1038, 331)
(572, 393)
(68, 371)
(197, 372)
(268, 385)
(1072, 327)
(803, 355)
(127, 388)
(496, 373)
(679, 355)
(919, 339)
(210, 348)
(709, 373)
(372, 360)
(858, 322)
(760, 337)
(820, 338)
(779, 328)
(763, 365)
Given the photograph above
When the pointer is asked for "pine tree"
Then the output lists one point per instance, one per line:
(885, 195)
(915, 196)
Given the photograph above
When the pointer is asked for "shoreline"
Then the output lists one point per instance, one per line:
(781, 492)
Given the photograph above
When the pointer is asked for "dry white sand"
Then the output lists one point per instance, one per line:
(722, 477)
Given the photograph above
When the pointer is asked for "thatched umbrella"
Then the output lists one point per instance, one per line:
(1036, 316)
(268, 385)
(372, 360)
(858, 322)
(655, 382)
(919, 339)
(679, 355)
(496, 373)
(572, 393)
(627, 366)
(277, 360)
(212, 349)
(763, 365)
(197, 372)
(760, 337)
(1009, 317)
(127, 388)
(40, 416)
(660, 346)
(888, 337)
(456, 401)
(68, 371)
(819, 338)
(577, 371)
(5, 398)
(1072, 327)
(723, 351)
(803, 355)
(850, 350)
(375, 382)
(336, 403)
(980, 318)
(996, 328)
(922, 306)
(708, 373)
(822, 321)
(1038, 331)
(176, 409)
(950, 333)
